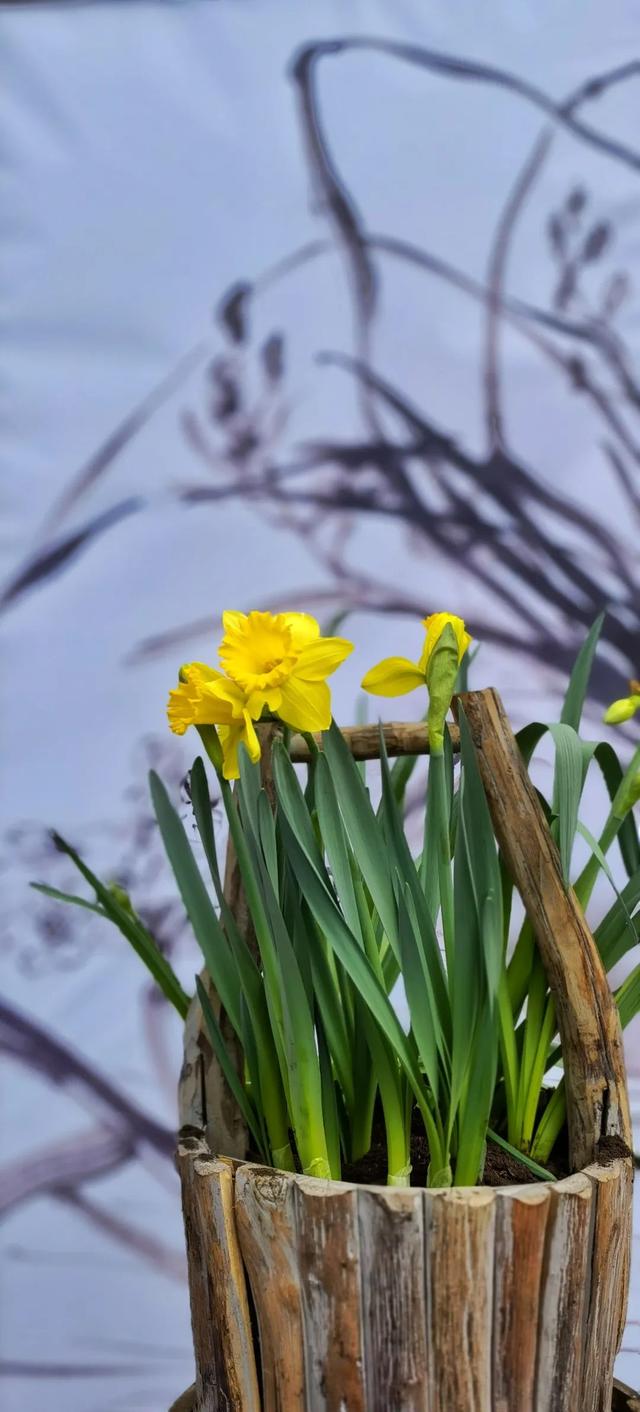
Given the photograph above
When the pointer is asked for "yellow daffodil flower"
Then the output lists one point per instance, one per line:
(272, 661)
(446, 641)
(280, 661)
(395, 676)
(625, 708)
(204, 697)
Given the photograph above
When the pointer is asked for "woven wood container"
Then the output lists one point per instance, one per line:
(315, 1296)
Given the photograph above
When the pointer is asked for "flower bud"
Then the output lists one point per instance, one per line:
(621, 710)
(441, 673)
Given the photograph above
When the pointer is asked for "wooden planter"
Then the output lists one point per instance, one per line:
(314, 1296)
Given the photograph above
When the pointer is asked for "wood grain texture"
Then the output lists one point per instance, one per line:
(609, 1283)
(393, 1284)
(460, 1230)
(565, 1295)
(330, 1267)
(400, 738)
(624, 1398)
(186, 1402)
(520, 1233)
(226, 1379)
(266, 1224)
(588, 1018)
(205, 1102)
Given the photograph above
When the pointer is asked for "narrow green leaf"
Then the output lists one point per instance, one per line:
(572, 761)
(476, 831)
(68, 897)
(627, 832)
(628, 997)
(579, 680)
(198, 905)
(618, 930)
(362, 828)
(540, 1172)
(139, 937)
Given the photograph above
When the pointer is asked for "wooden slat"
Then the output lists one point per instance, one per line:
(624, 1398)
(226, 1379)
(460, 1267)
(400, 738)
(266, 1222)
(563, 1311)
(391, 1224)
(608, 1289)
(521, 1223)
(329, 1254)
(588, 1019)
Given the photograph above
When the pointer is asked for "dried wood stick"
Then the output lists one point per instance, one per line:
(597, 1099)
(400, 738)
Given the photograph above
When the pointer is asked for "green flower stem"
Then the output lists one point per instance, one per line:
(362, 1117)
(532, 1099)
(536, 1006)
(519, 968)
(509, 1057)
(443, 846)
(550, 1126)
(390, 1083)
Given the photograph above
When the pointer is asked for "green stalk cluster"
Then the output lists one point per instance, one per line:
(341, 911)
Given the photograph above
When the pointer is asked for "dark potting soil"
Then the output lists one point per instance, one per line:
(611, 1147)
(500, 1169)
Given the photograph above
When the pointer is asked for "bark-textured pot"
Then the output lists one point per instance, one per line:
(312, 1296)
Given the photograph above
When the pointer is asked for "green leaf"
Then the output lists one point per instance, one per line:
(198, 905)
(68, 897)
(304, 1086)
(628, 997)
(131, 926)
(222, 1055)
(418, 914)
(618, 930)
(579, 680)
(476, 1105)
(627, 833)
(348, 950)
(362, 828)
(418, 987)
(335, 842)
(476, 834)
(572, 761)
(201, 804)
(540, 1172)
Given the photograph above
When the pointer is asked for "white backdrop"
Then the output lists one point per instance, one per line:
(357, 333)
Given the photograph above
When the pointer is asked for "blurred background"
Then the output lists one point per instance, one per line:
(331, 306)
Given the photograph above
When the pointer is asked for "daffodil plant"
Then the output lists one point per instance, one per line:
(341, 911)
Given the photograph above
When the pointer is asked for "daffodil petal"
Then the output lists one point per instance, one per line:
(306, 705)
(195, 703)
(232, 621)
(229, 694)
(395, 676)
(197, 673)
(322, 657)
(303, 628)
(257, 701)
(250, 738)
(230, 737)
